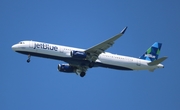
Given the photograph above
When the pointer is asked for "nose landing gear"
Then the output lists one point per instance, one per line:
(28, 60)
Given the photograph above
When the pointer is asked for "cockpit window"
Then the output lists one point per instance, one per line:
(21, 42)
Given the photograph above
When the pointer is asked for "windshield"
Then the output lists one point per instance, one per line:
(21, 42)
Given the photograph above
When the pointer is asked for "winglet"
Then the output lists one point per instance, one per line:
(158, 61)
(124, 30)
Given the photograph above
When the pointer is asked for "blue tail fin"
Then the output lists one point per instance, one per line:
(152, 53)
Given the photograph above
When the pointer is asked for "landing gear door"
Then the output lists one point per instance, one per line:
(31, 44)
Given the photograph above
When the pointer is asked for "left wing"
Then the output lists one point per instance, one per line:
(96, 50)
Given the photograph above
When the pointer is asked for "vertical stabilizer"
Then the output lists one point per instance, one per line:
(152, 53)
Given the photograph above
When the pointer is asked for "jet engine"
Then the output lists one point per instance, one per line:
(78, 54)
(65, 68)
(70, 69)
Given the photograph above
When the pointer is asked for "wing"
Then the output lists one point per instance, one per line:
(96, 50)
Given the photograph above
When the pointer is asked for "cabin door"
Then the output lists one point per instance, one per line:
(31, 44)
(138, 62)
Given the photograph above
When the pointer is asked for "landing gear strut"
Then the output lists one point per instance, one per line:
(28, 60)
(82, 74)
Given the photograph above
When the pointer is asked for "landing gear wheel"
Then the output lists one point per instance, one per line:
(28, 60)
(91, 64)
(82, 74)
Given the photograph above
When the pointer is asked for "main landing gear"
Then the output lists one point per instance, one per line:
(82, 74)
(91, 64)
(28, 60)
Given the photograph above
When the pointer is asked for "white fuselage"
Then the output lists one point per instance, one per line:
(60, 52)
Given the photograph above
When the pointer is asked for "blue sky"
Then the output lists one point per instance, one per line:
(38, 85)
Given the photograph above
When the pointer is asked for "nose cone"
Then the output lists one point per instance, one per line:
(14, 47)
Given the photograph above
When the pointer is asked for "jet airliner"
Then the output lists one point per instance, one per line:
(80, 60)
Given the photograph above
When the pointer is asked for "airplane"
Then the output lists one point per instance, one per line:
(80, 60)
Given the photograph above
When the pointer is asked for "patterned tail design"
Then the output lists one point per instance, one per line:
(152, 53)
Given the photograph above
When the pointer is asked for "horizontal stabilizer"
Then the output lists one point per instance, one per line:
(158, 61)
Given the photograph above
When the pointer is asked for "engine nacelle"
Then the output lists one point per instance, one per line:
(65, 68)
(78, 54)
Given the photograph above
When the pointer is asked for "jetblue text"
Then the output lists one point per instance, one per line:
(45, 46)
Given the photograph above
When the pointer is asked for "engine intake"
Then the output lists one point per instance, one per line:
(78, 54)
(65, 68)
